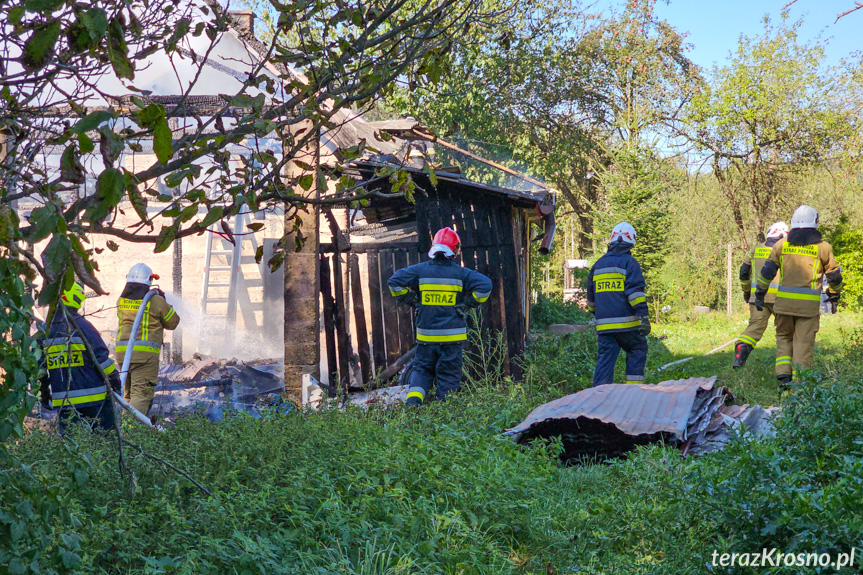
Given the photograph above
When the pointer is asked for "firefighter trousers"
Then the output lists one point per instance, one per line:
(758, 322)
(435, 360)
(141, 383)
(795, 342)
(100, 416)
(633, 343)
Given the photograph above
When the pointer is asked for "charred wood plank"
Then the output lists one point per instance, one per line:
(329, 306)
(360, 318)
(376, 293)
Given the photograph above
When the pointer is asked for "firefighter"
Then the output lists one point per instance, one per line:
(801, 260)
(74, 384)
(158, 316)
(443, 289)
(749, 272)
(615, 295)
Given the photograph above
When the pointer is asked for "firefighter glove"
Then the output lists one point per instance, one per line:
(759, 300)
(159, 292)
(833, 299)
(645, 326)
(746, 296)
(411, 298)
(114, 378)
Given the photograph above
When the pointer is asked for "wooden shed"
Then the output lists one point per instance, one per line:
(364, 329)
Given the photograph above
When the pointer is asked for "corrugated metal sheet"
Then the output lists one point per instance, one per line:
(666, 407)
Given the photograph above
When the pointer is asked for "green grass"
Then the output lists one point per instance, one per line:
(438, 490)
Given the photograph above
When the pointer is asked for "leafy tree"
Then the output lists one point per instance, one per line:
(70, 109)
(772, 111)
(561, 89)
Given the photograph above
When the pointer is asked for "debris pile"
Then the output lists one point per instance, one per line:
(210, 385)
(610, 420)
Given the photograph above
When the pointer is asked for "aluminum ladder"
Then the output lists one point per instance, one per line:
(223, 271)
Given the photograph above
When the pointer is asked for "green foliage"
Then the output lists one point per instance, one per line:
(639, 186)
(772, 110)
(437, 490)
(550, 309)
(794, 492)
(847, 242)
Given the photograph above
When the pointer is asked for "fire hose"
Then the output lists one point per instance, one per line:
(130, 348)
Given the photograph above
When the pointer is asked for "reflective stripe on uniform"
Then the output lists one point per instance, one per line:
(440, 284)
(634, 379)
(397, 293)
(108, 366)
(60, 348)
(610, 323)
(603, 271)
(636, 298)
(609, 276)
(147, 346)
(774, 286)
(170, 314)
(441, 335)
(53, 341)
(799, 293)
(762, 282)
(747, 339)
(78, 396)
(481, 297)
(417, 392)
(783, 360)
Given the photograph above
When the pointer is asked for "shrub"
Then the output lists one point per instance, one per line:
(550, 309)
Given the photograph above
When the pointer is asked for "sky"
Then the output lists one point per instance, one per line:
(716, 25)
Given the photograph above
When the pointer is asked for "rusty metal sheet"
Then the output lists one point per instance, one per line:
(633, 409)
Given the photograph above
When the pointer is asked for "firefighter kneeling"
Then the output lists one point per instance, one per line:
(443, 289)
(615, 295)
(801, 260)
(76, 386)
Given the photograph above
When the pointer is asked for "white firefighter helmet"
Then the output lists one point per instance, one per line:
(623, 232)
(140, 274)
(778, 230)
(804, 217)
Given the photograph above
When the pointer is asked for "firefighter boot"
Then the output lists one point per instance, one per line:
(784, 383)
(741, 354)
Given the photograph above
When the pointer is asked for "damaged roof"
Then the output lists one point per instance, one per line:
(634, 409)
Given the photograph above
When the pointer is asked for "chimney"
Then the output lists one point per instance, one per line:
(243, 21)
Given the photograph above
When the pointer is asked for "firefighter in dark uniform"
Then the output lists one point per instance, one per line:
(615, 295)
(801, 261)
(749, 272)
(443, 289)
(75, 385)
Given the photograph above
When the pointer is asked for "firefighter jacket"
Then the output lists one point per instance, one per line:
(443, 289)
(73, 379)
(158, 316)
(751, 269)
(615, 290)
(801, 261)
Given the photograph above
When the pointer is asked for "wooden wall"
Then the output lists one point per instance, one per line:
(494, 242)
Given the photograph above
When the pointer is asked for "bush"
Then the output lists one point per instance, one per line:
(797, 491)
(847, 243)
(550, 309)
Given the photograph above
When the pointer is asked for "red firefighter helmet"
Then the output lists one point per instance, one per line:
(446, 242)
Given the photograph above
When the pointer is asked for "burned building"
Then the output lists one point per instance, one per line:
(364, 330)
